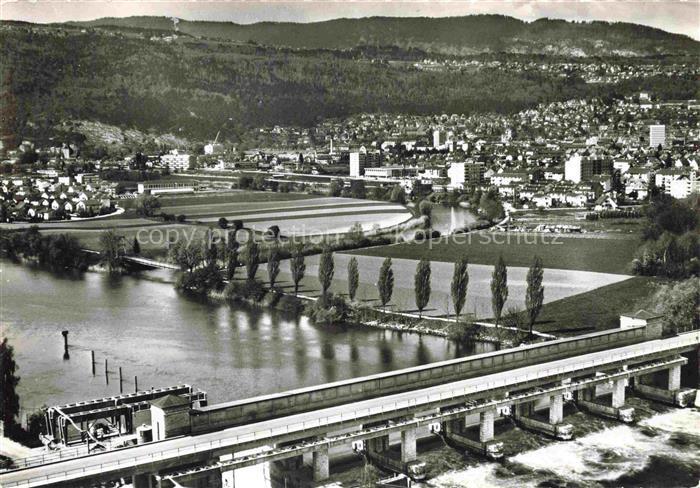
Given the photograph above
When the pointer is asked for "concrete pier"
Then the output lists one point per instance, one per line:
(618, 393)
(679, 398)
(587, 400)
(378, 444)
(456, 434)
(486, 425)
(556, 409)
(674, 377)
(321, 464)
(408, 445)
(670, 392)
(523, 415)
(622, 414)
(228, 478)
(142, 481)
(563, 432)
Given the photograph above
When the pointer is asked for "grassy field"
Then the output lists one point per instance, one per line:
(295, 214)
(96, 224)
(319, 215)
(233, 196)
(332, 223)
(558, 284)
(597, 309)
(604, 255)
(152, 238)
(234, 208)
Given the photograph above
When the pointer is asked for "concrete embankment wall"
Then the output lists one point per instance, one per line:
(224, 415)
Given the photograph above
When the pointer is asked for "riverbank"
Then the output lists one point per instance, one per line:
(467, 332)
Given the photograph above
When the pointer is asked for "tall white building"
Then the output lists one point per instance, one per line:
(437, 139)
(213, 148)
(465, 174)
(357, 167)
(657, 135)
(572, 169)
(176, 161)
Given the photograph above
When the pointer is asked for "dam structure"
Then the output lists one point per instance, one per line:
(177, 438)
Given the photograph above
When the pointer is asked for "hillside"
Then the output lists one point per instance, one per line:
(451, 35)
(135, 77)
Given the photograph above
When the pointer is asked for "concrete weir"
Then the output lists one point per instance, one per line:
(292, 426)
(665, 387)
(524, 416)
(610, 404)
(456, 434)
(378, 450)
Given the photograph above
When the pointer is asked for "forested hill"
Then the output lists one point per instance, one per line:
(449, 35)
(189, 87)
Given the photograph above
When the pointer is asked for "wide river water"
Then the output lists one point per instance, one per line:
(141, 324)
(144, 326)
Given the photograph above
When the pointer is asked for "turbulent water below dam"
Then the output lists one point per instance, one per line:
(662, 451)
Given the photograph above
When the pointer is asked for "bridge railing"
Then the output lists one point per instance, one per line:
(457, 393)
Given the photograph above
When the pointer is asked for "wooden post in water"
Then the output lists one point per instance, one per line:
(92, 365)
(136, 384)
(121, 387)
(65, 344)
(106, 373)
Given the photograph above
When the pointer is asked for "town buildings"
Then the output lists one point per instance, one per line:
(579, 168)
(466, 174)
(657, 135)
(175, 161)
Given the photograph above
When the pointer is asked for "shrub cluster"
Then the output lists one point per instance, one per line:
(248, 289)
(631, 213)
(329, 309)
(57, 252)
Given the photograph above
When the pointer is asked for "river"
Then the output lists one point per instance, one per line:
(662, 451)
(448, 219)
(144, 326)
(141, 324)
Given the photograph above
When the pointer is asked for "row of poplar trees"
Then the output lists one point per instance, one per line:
(534, 296)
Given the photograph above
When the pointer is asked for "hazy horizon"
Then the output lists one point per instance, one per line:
(679, 17)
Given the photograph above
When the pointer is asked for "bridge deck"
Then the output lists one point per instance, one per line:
(151, 263)
(154, 455)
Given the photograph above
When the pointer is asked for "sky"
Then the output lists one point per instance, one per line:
(680, 16)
